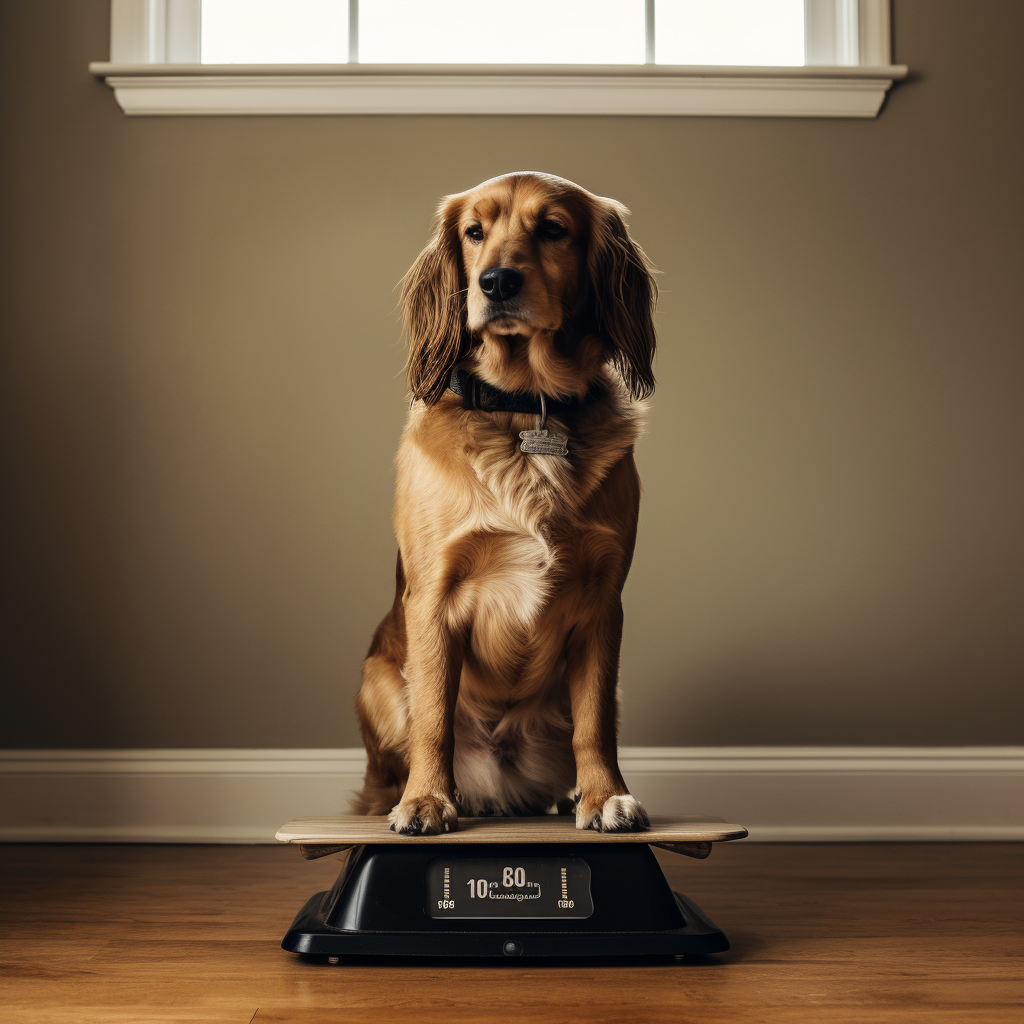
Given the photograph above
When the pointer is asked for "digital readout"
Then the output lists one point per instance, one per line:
(522, 887)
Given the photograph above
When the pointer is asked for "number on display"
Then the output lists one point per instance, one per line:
(480, 887)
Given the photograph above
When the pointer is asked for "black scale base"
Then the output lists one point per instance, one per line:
(381, 906)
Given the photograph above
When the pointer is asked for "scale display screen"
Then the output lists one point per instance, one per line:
(519, 887)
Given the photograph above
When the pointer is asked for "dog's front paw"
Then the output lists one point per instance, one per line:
(616, 814)
(424, 816)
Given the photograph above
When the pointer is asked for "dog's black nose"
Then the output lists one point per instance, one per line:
(501, 283)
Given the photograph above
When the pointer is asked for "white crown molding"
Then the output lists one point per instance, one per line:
(781, 794)
(205, 89)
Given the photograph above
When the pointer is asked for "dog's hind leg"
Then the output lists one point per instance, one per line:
(382, 706)
(383, 720)
(382, 787)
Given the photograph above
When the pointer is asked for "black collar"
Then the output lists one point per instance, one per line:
(478, 394)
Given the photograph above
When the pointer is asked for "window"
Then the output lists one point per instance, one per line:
(468, 32)
(661, 57)
(744, 32)
(273, 31)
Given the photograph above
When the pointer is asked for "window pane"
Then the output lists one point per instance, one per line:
(766, 32)
(274, 31)
(480, 32)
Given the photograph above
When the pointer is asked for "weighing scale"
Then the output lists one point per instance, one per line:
(502, 887)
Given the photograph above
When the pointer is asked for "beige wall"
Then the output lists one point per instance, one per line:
(202, 397)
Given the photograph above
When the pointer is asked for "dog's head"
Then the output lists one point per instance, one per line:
(534, 281)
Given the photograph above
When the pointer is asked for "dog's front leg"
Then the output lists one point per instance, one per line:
(433, 667)
(603, 802)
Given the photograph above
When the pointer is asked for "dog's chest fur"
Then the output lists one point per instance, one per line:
(526, 493)
(533, 509)
(514, 526)
(531, 493)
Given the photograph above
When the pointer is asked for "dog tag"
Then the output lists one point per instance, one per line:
(541, 442)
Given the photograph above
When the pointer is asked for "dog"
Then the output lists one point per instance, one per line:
(490, 687)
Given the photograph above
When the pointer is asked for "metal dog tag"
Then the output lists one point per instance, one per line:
(540, 442)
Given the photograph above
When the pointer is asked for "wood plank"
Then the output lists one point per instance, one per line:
(357, 829)
(115, 1015)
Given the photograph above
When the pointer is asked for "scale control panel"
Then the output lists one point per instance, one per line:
(523, 887)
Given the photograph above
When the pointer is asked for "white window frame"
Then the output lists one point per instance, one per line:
(154, 69)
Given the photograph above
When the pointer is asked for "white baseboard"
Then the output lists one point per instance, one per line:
(781, 794)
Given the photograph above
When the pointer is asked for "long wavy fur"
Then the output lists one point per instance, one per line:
(434, 308)
(624, 294)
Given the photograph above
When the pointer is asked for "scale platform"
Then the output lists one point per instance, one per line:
(502, 887)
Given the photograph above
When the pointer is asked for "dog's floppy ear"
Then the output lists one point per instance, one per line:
(434, 307)
(623, 293)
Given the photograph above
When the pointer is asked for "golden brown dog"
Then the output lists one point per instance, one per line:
(490, 686)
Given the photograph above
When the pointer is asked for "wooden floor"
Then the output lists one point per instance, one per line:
(852, 933)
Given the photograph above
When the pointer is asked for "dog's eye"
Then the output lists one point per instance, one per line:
(551, 230)
(475, 233)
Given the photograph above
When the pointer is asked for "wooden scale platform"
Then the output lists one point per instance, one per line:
(501, 887)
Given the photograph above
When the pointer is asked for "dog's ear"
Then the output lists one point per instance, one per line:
(434, 307)
(623, 293)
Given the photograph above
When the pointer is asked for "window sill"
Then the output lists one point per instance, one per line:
(636, 90)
